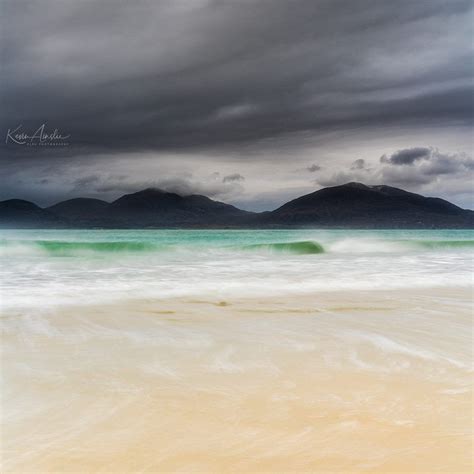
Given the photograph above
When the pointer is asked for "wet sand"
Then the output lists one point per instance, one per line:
(334, 382)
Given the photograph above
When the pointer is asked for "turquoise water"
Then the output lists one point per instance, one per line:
(45, 267)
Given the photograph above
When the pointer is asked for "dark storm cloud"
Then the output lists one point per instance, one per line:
(429, 160)
(144, 86)
(428, 168)
(113, 185)
(233, 177)
(124, 76)
(409, 168)
(408, 156)
(313, 168)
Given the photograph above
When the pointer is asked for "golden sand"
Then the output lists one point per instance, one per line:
(360, 382)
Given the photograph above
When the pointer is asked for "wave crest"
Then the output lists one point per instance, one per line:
(305, 247)
(59, 247)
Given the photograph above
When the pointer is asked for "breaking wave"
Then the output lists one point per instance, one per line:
(61, 248)
(444, 244)
(303, 248)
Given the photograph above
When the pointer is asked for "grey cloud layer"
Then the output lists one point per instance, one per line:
(144, 75)
(212, 186)
(407, 156)
(418, 168)
(138, 80)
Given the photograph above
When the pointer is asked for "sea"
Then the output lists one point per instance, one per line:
(42, 268)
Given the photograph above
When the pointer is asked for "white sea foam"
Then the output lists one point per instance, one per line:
(45, 268)
(366, 245)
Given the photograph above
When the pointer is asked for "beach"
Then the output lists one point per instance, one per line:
(222, 351)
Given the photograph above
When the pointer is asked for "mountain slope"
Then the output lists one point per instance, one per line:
(78, 207)
(19, 213)
(358, 205)
(154, 207)
(85, 212)
(350, 205)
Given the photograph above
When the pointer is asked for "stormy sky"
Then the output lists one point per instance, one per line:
(252, 102)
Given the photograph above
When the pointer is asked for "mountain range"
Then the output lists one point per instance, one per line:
(350, 205)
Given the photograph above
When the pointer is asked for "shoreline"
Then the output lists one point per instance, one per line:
(325, 296)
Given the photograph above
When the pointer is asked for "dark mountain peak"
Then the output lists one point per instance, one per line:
(153, 207)
(19, 205)
(210, 205)
(358, 205)
(151, 192)
(25, 214)
(80, 201)
(356, 186)
(148, 199)
(348, 205)
(201, 199)
(79, 207)
(353, 184)
(343, 192)
(391, 191)
(385, 188)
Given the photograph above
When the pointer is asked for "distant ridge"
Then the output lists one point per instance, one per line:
(364, 206)
(154, 207)
(20, 213)
(80, 211)
(78, 207)
(350, 205)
